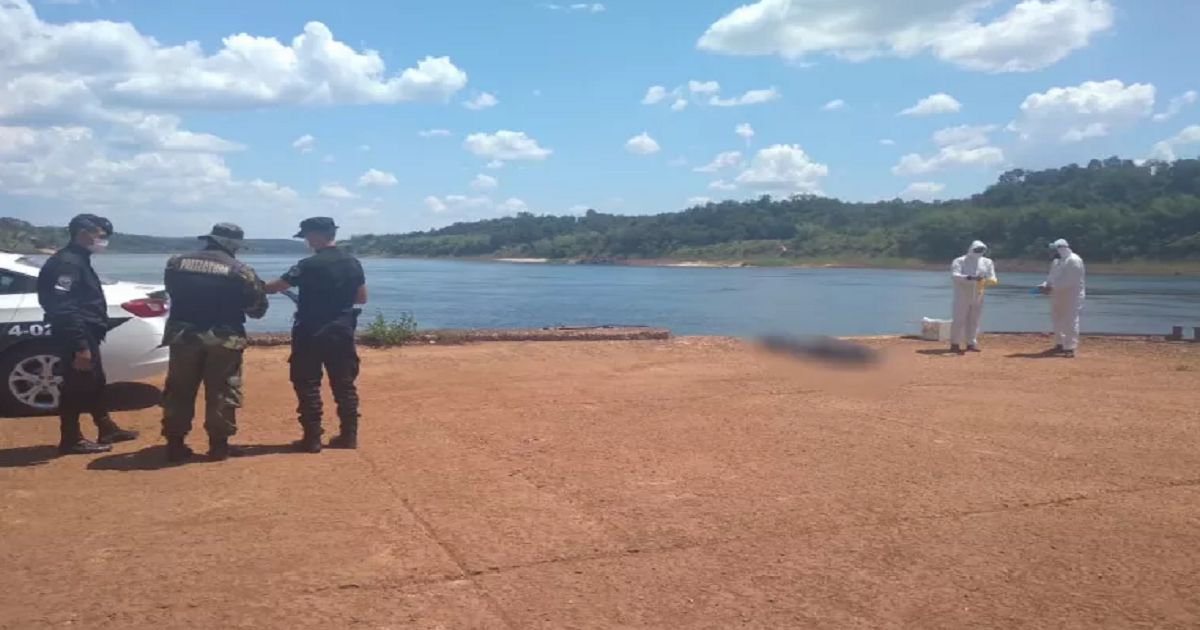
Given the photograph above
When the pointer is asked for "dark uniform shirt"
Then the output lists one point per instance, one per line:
(328, 282)
(212, 293)
(72, 297)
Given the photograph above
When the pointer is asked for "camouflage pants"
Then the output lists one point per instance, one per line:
(220, 370)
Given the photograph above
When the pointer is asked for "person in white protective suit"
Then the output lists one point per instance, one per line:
(969, 274)
(1067, 287)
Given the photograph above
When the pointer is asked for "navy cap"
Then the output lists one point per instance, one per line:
(316, 224)
(87, 222)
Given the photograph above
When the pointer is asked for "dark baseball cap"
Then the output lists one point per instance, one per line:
(89, 222)
(316, 224)
(227, 235)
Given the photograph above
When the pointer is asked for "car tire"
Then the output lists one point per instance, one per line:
(29, 380)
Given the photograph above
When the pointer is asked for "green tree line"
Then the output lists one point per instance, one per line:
(1111, 210)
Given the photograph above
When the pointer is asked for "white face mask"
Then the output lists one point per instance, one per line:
(98, 245)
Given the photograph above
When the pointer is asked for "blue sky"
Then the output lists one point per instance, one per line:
(104, 107)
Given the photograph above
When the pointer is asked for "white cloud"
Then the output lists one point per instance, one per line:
(335, 191)
(1176, 105)
(474, 207)
(115, 65)
(578, 209)
(435, 204)
(698, 201)
(67, 169)
(783, 168)
(957, 146)
(304, 144)
(377, 178)
(834, 105)
(706, 92)
(495, 164)
(484, 182)
(582, 6)
(940, 103)
(512, 205)
(721, 184)
(744, 130)
(1089, 110)
(728, 159)
(963, 136)
(921, 190)
(654, 95)
(1030, 35)
(434, 133)
(642, 144)
(482, 101)
(887, 142)
(160, 132)
(1165, 150)
(505, 145)
(751, 97)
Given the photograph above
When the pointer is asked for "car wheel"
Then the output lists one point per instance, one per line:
(31, 380)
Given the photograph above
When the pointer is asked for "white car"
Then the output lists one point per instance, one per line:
(29, 377)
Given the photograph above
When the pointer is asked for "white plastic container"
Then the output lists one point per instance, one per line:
(935, 329)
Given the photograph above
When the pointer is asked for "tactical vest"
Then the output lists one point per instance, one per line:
(207, 291)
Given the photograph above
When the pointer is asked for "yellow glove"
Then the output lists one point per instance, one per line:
(984, 282)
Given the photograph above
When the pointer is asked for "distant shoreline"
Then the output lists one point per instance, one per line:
(1183, 268)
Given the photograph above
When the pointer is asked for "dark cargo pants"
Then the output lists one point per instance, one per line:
(332, 349)
(81, 391)
(219, 369)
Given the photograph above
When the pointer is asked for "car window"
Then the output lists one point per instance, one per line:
(38, 262)
(16, 284)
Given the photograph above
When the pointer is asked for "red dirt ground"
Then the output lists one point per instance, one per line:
(682, 484)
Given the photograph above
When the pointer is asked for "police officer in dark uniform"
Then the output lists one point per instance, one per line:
(212, 293)
(72, 298)
(331, 284)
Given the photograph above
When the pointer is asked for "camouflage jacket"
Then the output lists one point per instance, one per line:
(184, 329)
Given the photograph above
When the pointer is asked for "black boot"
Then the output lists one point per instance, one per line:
(347, 437)
(311, 442)
(178, 451)
(72, 442)
(219, 449)
(82, 446)
(110, 433)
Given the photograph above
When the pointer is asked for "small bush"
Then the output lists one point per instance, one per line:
(388, 333)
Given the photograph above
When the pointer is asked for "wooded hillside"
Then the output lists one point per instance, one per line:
(1111, 210)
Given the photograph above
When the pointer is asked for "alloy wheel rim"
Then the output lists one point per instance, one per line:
(34, 383)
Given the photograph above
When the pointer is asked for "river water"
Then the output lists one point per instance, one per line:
(698, 300)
